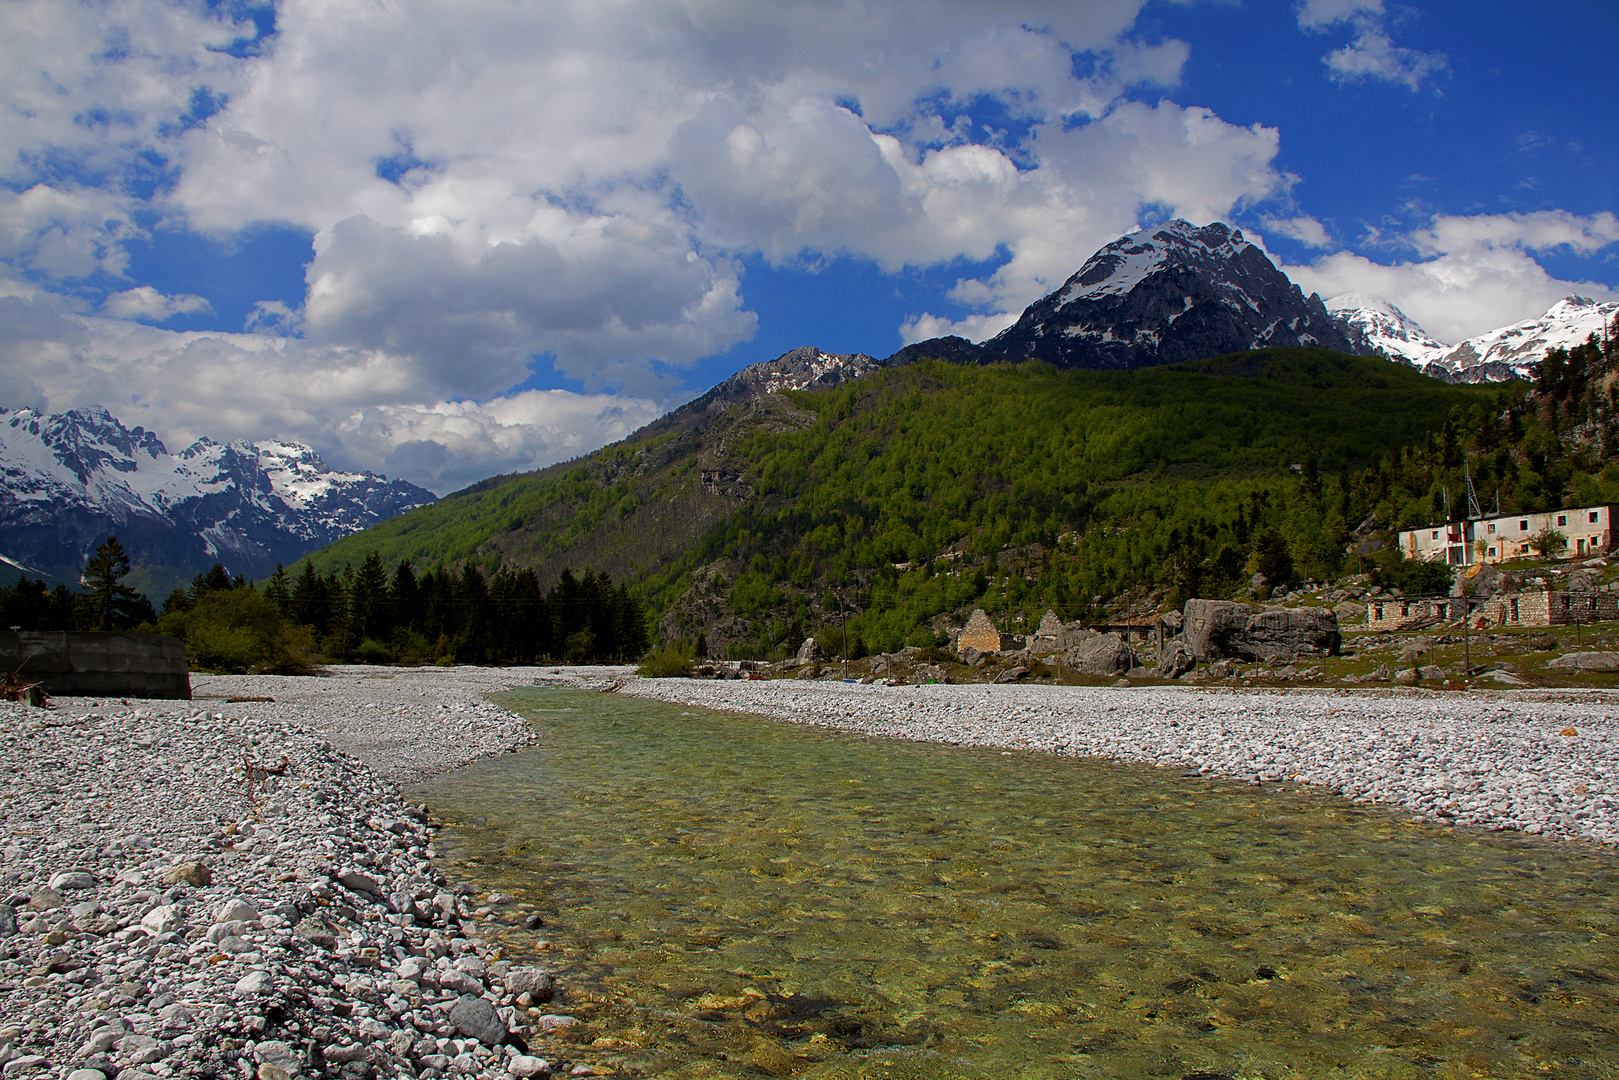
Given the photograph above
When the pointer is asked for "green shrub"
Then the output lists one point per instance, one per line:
(666, 664)
(239, 630)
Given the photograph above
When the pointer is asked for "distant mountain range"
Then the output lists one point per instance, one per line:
(68, 479)
(1169, 294)
(1511, 352)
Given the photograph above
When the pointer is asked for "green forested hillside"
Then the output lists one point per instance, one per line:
(1016, 486)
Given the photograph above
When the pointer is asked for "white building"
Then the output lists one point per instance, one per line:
(1588, 530)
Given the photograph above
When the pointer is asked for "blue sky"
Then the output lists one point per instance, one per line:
(448, 240)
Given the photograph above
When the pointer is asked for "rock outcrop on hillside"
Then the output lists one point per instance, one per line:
(1216, 629)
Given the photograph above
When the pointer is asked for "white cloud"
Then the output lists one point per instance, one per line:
(1474, 273)
(1306, 230)
(1371, 52)
(145, 302)
(360, 407)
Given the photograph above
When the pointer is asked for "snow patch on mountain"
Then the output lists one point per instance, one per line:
(1522, 346)
(66, 479)
(1129, 260)
(1381, 327)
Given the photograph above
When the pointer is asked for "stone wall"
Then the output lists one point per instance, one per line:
(1541, 607)
(1385, 613)
(980, 634)
(98, 665)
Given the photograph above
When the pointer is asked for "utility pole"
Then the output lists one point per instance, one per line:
(843, 622)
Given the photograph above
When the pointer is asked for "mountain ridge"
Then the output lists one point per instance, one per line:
(68, 479)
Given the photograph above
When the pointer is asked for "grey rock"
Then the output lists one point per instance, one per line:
(459, 982)
(1174, 661)
(164, 919)
(1219, 628)
(1101, 654)
(73, 879)
(315, 931)
(534, 982)
(1012, 674)
(45, 900)
(525, 1066)
(476, 1019)
(1408, 676)
(358, 882)
(1431, 671)
(253, 984)
(971, 656)
(810, 652)
(551, 1022)
(1416, 650)
(1586, 661)
(236, 910)
(8, 920)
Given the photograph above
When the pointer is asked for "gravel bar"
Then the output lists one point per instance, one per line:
(238, 888)
(1545, 763)
(221, 888)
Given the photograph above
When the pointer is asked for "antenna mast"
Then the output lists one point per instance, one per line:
(1473, 510)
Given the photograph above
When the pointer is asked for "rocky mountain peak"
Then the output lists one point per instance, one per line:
(1162, 295)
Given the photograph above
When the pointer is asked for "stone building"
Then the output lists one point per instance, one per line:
(1530, 607)
(981, 634)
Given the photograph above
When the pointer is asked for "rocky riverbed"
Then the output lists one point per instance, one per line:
(238, 888)
(1544, 763)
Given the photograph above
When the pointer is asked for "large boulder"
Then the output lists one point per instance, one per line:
(1219, 628)
(1101, 654)
(1174, 661)
(810, 652)
(1586, 661)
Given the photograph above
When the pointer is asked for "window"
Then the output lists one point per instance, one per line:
(1492, 552)
(1562, 519)
(1377, 612)
(1436, 534)
(1492, 530)
(1523, 526)
(1593, 517)
(1514, 610)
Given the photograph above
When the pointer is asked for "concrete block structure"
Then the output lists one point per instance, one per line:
(98, 665)
(1589, 531)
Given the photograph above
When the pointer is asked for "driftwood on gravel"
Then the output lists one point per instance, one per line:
(13, 687)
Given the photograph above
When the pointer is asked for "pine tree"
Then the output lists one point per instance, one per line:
(112, 603)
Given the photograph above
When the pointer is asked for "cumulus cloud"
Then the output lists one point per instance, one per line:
(358, 406)
(1371, 53)
(1472, 273)
(145, 302)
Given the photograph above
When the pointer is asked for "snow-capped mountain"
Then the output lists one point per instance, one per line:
(1375, 325)
(1164, 295)
(1521, 347)
(1511, 352)
(67, 479)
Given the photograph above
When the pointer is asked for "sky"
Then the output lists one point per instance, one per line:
(443, 241)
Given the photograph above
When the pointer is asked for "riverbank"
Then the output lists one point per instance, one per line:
(239, 888)
(1544, 762)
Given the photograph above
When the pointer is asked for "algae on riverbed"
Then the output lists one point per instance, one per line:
(732, 897)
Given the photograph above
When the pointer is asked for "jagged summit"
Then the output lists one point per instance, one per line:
(1163, 295)
(69, 478)
(1376, 325)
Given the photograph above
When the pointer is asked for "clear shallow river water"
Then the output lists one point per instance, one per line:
(729, 896)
